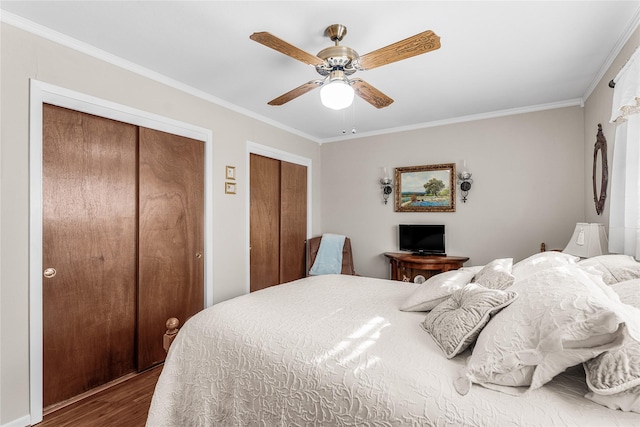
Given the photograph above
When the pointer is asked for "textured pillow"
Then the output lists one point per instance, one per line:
(437, 289)
(615, 371)
(541, 261)
(614, 376)
(496, 274)
(563, 316)
(456, 322)
(614, 268)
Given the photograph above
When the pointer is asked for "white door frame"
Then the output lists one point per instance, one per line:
(41, 93)
(274, 153)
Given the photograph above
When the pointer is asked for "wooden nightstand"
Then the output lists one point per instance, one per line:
(405, 266)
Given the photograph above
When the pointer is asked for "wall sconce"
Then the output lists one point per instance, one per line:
(385, 183)
(464, 181)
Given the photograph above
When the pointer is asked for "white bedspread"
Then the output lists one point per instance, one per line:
(336, 350)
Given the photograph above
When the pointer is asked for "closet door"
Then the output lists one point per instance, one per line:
(278, 217)
(293, 221)
(171, 237)
(89, 251)
(264, 222)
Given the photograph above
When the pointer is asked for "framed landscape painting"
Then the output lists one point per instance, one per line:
(429, 188)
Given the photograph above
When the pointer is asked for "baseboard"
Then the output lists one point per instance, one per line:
(20, 422)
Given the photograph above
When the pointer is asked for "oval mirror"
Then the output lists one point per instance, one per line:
(600, 171)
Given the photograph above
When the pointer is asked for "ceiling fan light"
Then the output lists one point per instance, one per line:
(336, 95)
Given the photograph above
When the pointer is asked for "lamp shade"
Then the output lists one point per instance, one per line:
(336, 95)
(588, 240)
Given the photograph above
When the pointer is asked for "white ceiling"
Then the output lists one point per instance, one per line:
(496, 57)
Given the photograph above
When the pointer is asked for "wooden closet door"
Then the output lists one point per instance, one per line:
(171, 237)
(264, 222)
(278, 217)
(89, 238)
(293, 221)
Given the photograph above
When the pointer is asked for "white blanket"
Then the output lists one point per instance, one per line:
(329, 256)
(336, 350)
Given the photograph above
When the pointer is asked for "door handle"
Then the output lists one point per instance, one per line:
(49, 272)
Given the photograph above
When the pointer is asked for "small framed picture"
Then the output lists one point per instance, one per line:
(231, 172)
(230, 188)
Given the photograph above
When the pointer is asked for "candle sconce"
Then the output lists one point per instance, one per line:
(387, 188)
(464, 182)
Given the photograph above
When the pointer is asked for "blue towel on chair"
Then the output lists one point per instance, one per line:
(329, 257)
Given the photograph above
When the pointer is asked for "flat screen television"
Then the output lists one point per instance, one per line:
(422, 239)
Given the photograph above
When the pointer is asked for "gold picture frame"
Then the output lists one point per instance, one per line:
(429, 188)
(230, 188)
(230, 172)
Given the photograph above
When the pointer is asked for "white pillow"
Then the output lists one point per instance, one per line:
(541, 261)
(475, 269)
(437, 289)
(614, 268)
(614, 376)
(496, 274)
(615, 371)
(562, 317)
(455, 323)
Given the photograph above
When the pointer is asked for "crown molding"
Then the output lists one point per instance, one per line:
(474, 117)
(624, 38)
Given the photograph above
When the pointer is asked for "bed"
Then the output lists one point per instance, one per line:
(338, 350)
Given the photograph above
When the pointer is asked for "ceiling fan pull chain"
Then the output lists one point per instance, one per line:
(344, 122)
(353, 116)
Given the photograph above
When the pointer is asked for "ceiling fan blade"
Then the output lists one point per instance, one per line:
(370, 94)
(415, 45)
(282, 46)
(293, 94)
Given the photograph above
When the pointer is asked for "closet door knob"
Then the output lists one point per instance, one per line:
(198, 254)
(49, 272)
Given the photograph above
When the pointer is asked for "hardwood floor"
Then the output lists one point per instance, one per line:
(123, 405)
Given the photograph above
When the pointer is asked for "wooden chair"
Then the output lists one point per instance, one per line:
(313, 245)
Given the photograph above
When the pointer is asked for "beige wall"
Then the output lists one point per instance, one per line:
(24, 57)
(597, 109)
(528, 178)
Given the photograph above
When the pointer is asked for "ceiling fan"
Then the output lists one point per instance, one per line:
(336, 63)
